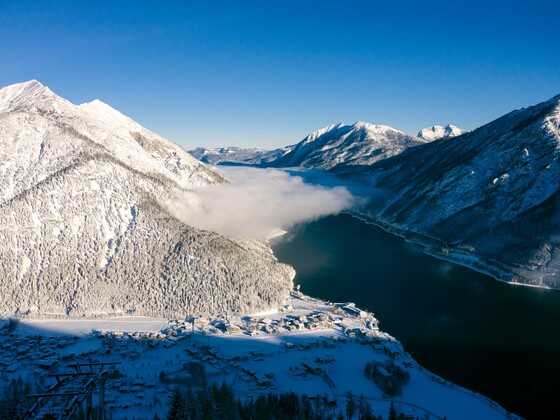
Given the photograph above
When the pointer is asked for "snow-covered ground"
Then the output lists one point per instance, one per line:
(307, 346)
(83, 327)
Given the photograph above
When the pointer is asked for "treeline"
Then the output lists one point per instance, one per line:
(196, 376)
(220, 403)
(123, 251)
(14, 402)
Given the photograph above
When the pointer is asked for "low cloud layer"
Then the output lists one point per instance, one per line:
(259, 202)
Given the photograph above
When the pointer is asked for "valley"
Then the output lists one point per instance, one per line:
(259, 210)
(105, 192)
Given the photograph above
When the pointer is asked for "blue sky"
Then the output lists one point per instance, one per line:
(266, 73)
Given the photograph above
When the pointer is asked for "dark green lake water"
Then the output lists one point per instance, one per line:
(494, 338)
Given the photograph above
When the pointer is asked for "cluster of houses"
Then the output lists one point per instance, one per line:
(353, 322)
(42, 355)
(42, 352)
(312, 321)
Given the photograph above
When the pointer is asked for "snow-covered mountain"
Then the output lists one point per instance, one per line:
(340, 146)
(490, 198)
(335, 147)
(237, 155)
(437, 132)
(87, 224)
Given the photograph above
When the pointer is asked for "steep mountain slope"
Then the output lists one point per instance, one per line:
(493, 194)
(436, 132)
(237, 155)
(339, 146)
(87, 225)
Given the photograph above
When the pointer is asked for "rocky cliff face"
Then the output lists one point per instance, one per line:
(85, 223)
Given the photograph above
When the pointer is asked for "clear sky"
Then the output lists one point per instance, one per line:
(266, 73)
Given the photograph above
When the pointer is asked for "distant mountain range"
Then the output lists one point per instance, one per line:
(254, 156)
(87, 223)
(335, 147)
(489, 199)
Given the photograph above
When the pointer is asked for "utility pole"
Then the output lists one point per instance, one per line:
(89, 406)
(102, 395)
(78, 387)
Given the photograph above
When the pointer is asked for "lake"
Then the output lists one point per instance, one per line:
(494, 338)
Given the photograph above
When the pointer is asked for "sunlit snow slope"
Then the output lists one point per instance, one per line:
(85, 226)
(492, 194)
(334, 147)
(340, 146)
(436, 132)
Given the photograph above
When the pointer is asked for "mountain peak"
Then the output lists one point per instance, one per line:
(317, 133)
(33, 83)
(106, 113)
(436, 132)
(99, 105)
(17, 93)
(341, 146)
(115, 194)
(377, 128)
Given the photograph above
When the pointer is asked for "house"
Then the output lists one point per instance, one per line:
(301, 318)
(382, 371)
(392, 349)
(232, 328)
(312, 368)
(351, 309)
(263, 380)
(46, 364)
(199, 322)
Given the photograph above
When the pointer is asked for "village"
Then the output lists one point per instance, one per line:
(308, 346)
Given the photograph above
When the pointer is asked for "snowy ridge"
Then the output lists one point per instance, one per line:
(336, 147)
(437, 132)
(340, 146)
(86, 225)
(552, 122)
(31, 114)
(490, 195)
(108, 115)
(19, 94)
(318, 133)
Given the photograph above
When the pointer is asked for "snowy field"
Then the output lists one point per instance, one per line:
(308, 346)
(82, 327)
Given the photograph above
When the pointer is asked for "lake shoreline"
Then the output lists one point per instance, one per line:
(438, 249)
(480, 334)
